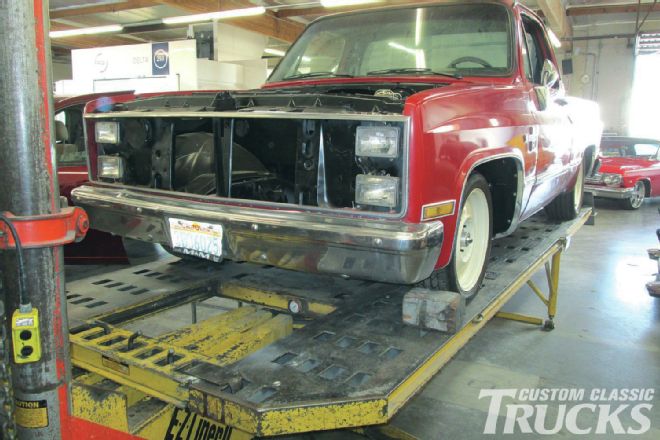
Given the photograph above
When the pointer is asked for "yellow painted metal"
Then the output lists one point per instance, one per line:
(305, 418)
(226, 337)
(520, 317)
(145, 368)
(532, 285)
(176, 423)
(554, 285)
(276, 300)
(100, 405)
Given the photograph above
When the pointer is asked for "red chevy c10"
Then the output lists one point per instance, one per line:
(388, 145)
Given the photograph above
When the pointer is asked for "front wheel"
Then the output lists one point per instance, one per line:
(637, 197)
(467, 268)
(567, 205)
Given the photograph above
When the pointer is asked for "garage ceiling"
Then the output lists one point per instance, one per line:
(285, 19)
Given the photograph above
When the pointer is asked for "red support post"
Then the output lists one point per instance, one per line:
(28, 189)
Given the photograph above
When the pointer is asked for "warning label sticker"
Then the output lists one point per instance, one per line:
(31, 413)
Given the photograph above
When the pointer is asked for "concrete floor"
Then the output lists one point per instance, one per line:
(607, 337)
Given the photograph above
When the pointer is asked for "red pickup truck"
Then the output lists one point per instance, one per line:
(389, 145)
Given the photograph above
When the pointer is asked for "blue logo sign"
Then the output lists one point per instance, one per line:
(160, 58)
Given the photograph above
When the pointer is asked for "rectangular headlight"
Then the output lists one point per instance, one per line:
(377, 141)
(107, 132)
(111, 167)
(377, 190)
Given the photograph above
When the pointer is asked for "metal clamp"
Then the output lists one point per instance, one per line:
(49, 230)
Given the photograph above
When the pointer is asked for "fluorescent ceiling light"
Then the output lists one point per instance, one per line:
(276, 52)
(86, 31)
(220, 15)
(336, 3)
(553, 39)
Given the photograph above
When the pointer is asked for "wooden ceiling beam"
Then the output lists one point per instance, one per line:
(320, 10)
(102, 9)
(575, 11)
(268, 24)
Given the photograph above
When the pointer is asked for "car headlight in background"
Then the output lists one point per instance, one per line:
(612, 179)
(111, 167)
(377, 141)
(107, 132)
(377, 190)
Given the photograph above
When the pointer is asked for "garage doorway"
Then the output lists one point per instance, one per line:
(646, 88)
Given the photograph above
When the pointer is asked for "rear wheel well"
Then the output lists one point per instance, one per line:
(502, 176)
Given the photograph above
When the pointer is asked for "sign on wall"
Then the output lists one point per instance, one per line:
(160, 59)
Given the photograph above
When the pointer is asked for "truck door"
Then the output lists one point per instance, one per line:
(553, 139)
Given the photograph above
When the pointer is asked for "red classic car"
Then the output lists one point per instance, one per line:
(72, 172)
(388, 145)
(628, 169)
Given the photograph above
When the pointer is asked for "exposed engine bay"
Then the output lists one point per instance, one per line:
(341, 161)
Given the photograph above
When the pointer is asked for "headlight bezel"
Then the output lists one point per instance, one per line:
(612, 179)
(371, 133)
(366, 182)
(107, 132)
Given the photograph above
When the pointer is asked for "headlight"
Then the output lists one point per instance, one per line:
(376, 190)
(612, 179)
(111, 167)
(377, 141)
(107, 132)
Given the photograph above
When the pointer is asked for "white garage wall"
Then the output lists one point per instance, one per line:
(603, 71)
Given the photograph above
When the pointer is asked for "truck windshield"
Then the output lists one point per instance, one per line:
(460, 40)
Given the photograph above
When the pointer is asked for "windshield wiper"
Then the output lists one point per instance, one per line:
(316, 74)
(422, 70)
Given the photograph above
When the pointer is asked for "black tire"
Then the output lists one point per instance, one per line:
(637, 200)
(564, 206)
(447, 278)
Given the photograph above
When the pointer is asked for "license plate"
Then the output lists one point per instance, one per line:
(203, 240)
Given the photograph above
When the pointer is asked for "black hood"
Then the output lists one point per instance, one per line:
(380, 98)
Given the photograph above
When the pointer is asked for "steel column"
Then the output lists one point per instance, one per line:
(28, 186)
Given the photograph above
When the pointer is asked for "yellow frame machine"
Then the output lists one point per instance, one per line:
(281, 352)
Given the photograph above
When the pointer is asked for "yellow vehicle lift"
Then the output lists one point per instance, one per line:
(277, 352)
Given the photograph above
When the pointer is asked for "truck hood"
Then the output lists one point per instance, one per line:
(359, 97)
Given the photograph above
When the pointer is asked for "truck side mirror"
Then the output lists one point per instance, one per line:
(549, 74)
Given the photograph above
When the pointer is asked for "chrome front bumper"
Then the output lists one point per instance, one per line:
(373, 249)
(609, 192)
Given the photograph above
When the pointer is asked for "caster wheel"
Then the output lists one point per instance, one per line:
(548, 325)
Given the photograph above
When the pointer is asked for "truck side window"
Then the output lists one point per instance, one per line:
(69, 138)
(536, 49)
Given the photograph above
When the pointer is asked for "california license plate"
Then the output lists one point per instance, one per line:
(203, 240)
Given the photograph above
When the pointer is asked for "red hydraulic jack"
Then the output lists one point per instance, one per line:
(35, 372)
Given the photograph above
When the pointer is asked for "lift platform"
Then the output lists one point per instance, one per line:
(179, 349)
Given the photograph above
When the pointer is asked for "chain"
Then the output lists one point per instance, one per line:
(8, 431)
